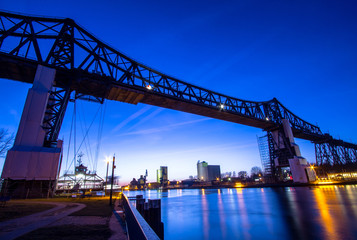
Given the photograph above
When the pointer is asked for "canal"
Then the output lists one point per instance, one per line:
(325, 212)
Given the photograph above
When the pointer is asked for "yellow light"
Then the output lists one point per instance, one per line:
(238, 185)
(107, 159)
(324, 182)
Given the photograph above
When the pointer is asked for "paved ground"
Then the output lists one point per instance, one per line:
(58, 216)
(117, 225)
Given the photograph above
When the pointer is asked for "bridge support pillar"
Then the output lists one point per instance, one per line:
(288, 155)
(30, 169)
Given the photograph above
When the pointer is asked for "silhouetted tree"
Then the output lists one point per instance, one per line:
(242, 174)
(6, 140)
(255, 171)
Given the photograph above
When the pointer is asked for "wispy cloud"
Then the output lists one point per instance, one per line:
(145, 119)
(131, 118)
(164, 128)
(211, 148)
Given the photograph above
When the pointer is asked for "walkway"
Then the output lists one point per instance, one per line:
(117, 224)
(14, 228)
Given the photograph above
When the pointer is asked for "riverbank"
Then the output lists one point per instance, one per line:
(256, 185)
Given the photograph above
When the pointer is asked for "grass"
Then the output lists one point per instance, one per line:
(69, 232)
(96, 206)
(16, 209)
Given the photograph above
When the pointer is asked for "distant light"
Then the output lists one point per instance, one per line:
(267, 118)
(149, 87)
(325, 182)
(80, 175)
(222, 106)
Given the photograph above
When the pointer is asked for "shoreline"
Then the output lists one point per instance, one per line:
(261, 185)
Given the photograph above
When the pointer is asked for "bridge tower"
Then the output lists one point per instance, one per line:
(32, 165)
(285, 153)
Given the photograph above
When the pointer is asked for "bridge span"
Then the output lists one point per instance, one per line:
(95, 71)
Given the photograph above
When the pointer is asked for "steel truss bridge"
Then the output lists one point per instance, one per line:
(95, 71)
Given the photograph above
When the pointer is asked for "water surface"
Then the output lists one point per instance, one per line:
(326, 212)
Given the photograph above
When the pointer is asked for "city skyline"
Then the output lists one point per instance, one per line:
(253, 51)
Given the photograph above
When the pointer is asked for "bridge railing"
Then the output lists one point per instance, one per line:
(138, 228)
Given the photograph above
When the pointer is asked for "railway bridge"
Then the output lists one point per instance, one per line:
(63, 60)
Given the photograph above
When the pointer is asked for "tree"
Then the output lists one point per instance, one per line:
(255, 171)
(242, 174)
(6, 140)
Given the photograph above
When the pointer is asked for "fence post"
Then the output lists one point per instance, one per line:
(155, 217)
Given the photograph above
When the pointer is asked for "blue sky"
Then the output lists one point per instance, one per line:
(304, 53)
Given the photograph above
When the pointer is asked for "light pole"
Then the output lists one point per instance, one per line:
(106, 178)
(112, 182)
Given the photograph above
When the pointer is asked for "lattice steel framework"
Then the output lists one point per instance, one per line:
(56, 108)
(336, 157)
(91, 68)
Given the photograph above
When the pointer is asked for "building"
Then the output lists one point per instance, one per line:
(80, 180)
(207, 172)
(161, 175)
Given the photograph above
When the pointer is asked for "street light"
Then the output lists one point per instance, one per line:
(112, 182)
(106, 177)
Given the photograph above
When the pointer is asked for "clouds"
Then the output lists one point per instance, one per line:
(165, 128)
(131, 118)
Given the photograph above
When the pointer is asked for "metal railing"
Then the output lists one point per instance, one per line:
(138, 228)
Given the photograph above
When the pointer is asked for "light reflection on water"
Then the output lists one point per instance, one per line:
(326, 212)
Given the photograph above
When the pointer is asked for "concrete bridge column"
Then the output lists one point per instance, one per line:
(290, 156)
(30, 169)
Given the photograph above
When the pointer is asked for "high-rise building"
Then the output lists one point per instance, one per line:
(207, 172)
(202, 171)
(161, 175)
(214, 172)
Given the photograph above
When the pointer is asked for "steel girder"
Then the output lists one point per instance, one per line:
(55, 110)
(65, 46)
(332, 154)
(70, 46)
